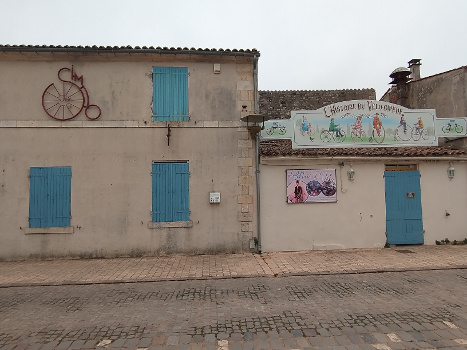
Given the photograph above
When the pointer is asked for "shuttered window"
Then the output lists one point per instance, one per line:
(170, 192)
(50, 197)
(170, 93)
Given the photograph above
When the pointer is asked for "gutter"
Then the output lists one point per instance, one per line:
(258, 199)
(276, 160)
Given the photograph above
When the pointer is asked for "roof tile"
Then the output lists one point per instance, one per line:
(282, 148)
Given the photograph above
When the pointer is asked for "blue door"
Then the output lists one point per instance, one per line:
(403, 207)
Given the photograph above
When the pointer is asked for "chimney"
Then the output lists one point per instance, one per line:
(400, 77)
(414, 66)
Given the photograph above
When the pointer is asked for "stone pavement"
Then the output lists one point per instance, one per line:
(352, 261)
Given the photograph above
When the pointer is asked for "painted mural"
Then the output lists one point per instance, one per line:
(364, 123)
(311, 186)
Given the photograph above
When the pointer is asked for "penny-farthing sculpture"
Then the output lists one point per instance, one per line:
(65, 100)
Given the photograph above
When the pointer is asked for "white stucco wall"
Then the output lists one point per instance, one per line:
(358, 218)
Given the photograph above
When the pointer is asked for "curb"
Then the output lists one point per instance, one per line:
(205, 278)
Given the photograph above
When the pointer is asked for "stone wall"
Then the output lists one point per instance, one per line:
(278, 104)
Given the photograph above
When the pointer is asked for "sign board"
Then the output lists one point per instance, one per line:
(363, 123)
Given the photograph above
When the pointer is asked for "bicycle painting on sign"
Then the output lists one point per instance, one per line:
(311, 186)
(277, 129)
(456, 127)
(363, 123)
(67, 99)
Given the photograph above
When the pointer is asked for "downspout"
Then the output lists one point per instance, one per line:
(258, 206)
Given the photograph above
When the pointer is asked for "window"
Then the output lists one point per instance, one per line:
(50, 197)
(170, 193)
(170, 93)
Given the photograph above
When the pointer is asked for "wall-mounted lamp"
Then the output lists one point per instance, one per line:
(351, 174)
(451, 171)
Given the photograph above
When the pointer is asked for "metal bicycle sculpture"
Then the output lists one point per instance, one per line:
(65, 100)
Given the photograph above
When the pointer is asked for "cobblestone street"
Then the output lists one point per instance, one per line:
(386, 310)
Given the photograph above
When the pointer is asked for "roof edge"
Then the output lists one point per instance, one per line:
(129, 50)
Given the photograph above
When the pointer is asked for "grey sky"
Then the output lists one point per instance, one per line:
(304, 45)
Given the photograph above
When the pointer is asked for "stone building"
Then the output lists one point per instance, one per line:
(125, 151)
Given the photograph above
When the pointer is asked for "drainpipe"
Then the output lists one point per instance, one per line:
(258, 206)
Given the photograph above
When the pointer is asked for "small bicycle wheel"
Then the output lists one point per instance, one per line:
(325, 136)
(446, 128)
(459, 128)
(282, 130)
(92, 112)
(64, 102)
(424, 134)
(341, 137)
(404, 135)
(270, 131)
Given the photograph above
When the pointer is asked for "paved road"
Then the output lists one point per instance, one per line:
(390, 310)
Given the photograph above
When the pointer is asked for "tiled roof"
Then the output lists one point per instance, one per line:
(283, 148)
(128, 49)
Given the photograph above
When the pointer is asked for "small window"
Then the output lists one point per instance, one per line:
(400, 167)
(170, 192)
(50, 197)
(170, 94)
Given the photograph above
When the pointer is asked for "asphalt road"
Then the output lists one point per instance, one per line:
(391, 310)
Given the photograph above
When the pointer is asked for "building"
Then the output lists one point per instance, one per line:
(126, 151)
(365, 197)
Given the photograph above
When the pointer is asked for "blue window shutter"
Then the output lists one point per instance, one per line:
(50, 197)
(170, 194)
(170, 93)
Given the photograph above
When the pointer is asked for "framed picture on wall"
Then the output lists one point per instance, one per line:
(311, 186)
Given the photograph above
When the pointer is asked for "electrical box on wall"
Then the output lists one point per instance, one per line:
(217, 68)
(214, 197)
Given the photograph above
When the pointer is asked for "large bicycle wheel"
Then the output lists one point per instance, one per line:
(378, 138)
(404, 135)
(446, 128)
(270, 131)
(282, 130)
(416, 134)
(63, 102)
(459, 128)
(325, 136)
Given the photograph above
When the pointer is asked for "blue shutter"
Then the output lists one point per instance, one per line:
(50, 197)
(170, 192)
(170, 93)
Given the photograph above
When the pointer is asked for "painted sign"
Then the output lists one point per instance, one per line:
(364, 123)
(277, 129)
(311, 186)
(456, 127)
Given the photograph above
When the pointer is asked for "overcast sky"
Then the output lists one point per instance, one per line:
(304, 45)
